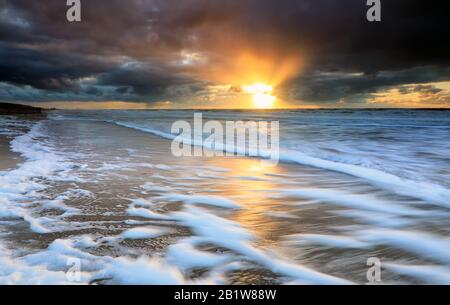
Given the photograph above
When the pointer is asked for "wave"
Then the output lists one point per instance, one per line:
(23, 184)
(429, 192)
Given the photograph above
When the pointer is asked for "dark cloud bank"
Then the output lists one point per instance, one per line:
(158, 50)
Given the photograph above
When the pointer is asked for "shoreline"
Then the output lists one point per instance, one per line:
(121, 194)
(9, 160)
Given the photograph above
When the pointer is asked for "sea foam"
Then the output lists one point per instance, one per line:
(418, 189)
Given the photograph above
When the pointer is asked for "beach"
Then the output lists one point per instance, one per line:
(9, 160)
(102, 190)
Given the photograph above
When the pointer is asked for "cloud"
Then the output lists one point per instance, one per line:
(332, 87)
(144, 79)
(414, 95)
(311, 50)
(46, 70)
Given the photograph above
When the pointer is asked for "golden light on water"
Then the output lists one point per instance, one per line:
(262, 97)
(249, 182)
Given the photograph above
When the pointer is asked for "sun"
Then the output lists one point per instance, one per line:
(262, 97)
(263, 101)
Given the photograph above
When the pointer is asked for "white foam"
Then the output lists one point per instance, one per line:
(333, 241)
(15, 271)
(121, 166)
(58, 204)
(152, 187)
(142, 202)
(204, 200)
(35, 224)
(423, 190)
(142, 271)
(424, 244)
(18, 184)
(184, 255)
(378, 219)
(51, 266)
(145, 213)
(230, 235)
(163, 167)
(11, 125)
(85, 241)
(358, 201)
(21, 197)
(143, 233)
(57, 255)
(435, 275)
(77, 193)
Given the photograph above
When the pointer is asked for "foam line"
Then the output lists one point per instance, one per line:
(422, 190)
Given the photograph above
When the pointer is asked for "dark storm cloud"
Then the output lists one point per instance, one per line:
(46, 70)
(331, 87)
(342, 54)
(143, 79)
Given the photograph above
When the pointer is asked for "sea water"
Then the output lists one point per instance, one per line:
(101, 190)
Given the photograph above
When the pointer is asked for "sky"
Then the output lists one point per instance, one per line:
(209, 53)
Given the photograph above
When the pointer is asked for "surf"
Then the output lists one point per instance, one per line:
(429, 192)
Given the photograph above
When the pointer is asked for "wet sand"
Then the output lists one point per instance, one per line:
(8, 159)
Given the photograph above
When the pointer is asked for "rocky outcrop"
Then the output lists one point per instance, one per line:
(13, 109)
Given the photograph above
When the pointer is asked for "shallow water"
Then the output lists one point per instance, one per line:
(350, 186)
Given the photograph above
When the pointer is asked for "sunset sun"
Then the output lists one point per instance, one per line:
(262, 97)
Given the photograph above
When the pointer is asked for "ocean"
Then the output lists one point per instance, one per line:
(98, 198)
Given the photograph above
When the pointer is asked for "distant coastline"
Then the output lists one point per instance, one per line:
(20, 109)
(13, 109)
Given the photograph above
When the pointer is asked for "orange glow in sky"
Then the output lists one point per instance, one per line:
(262, 98)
